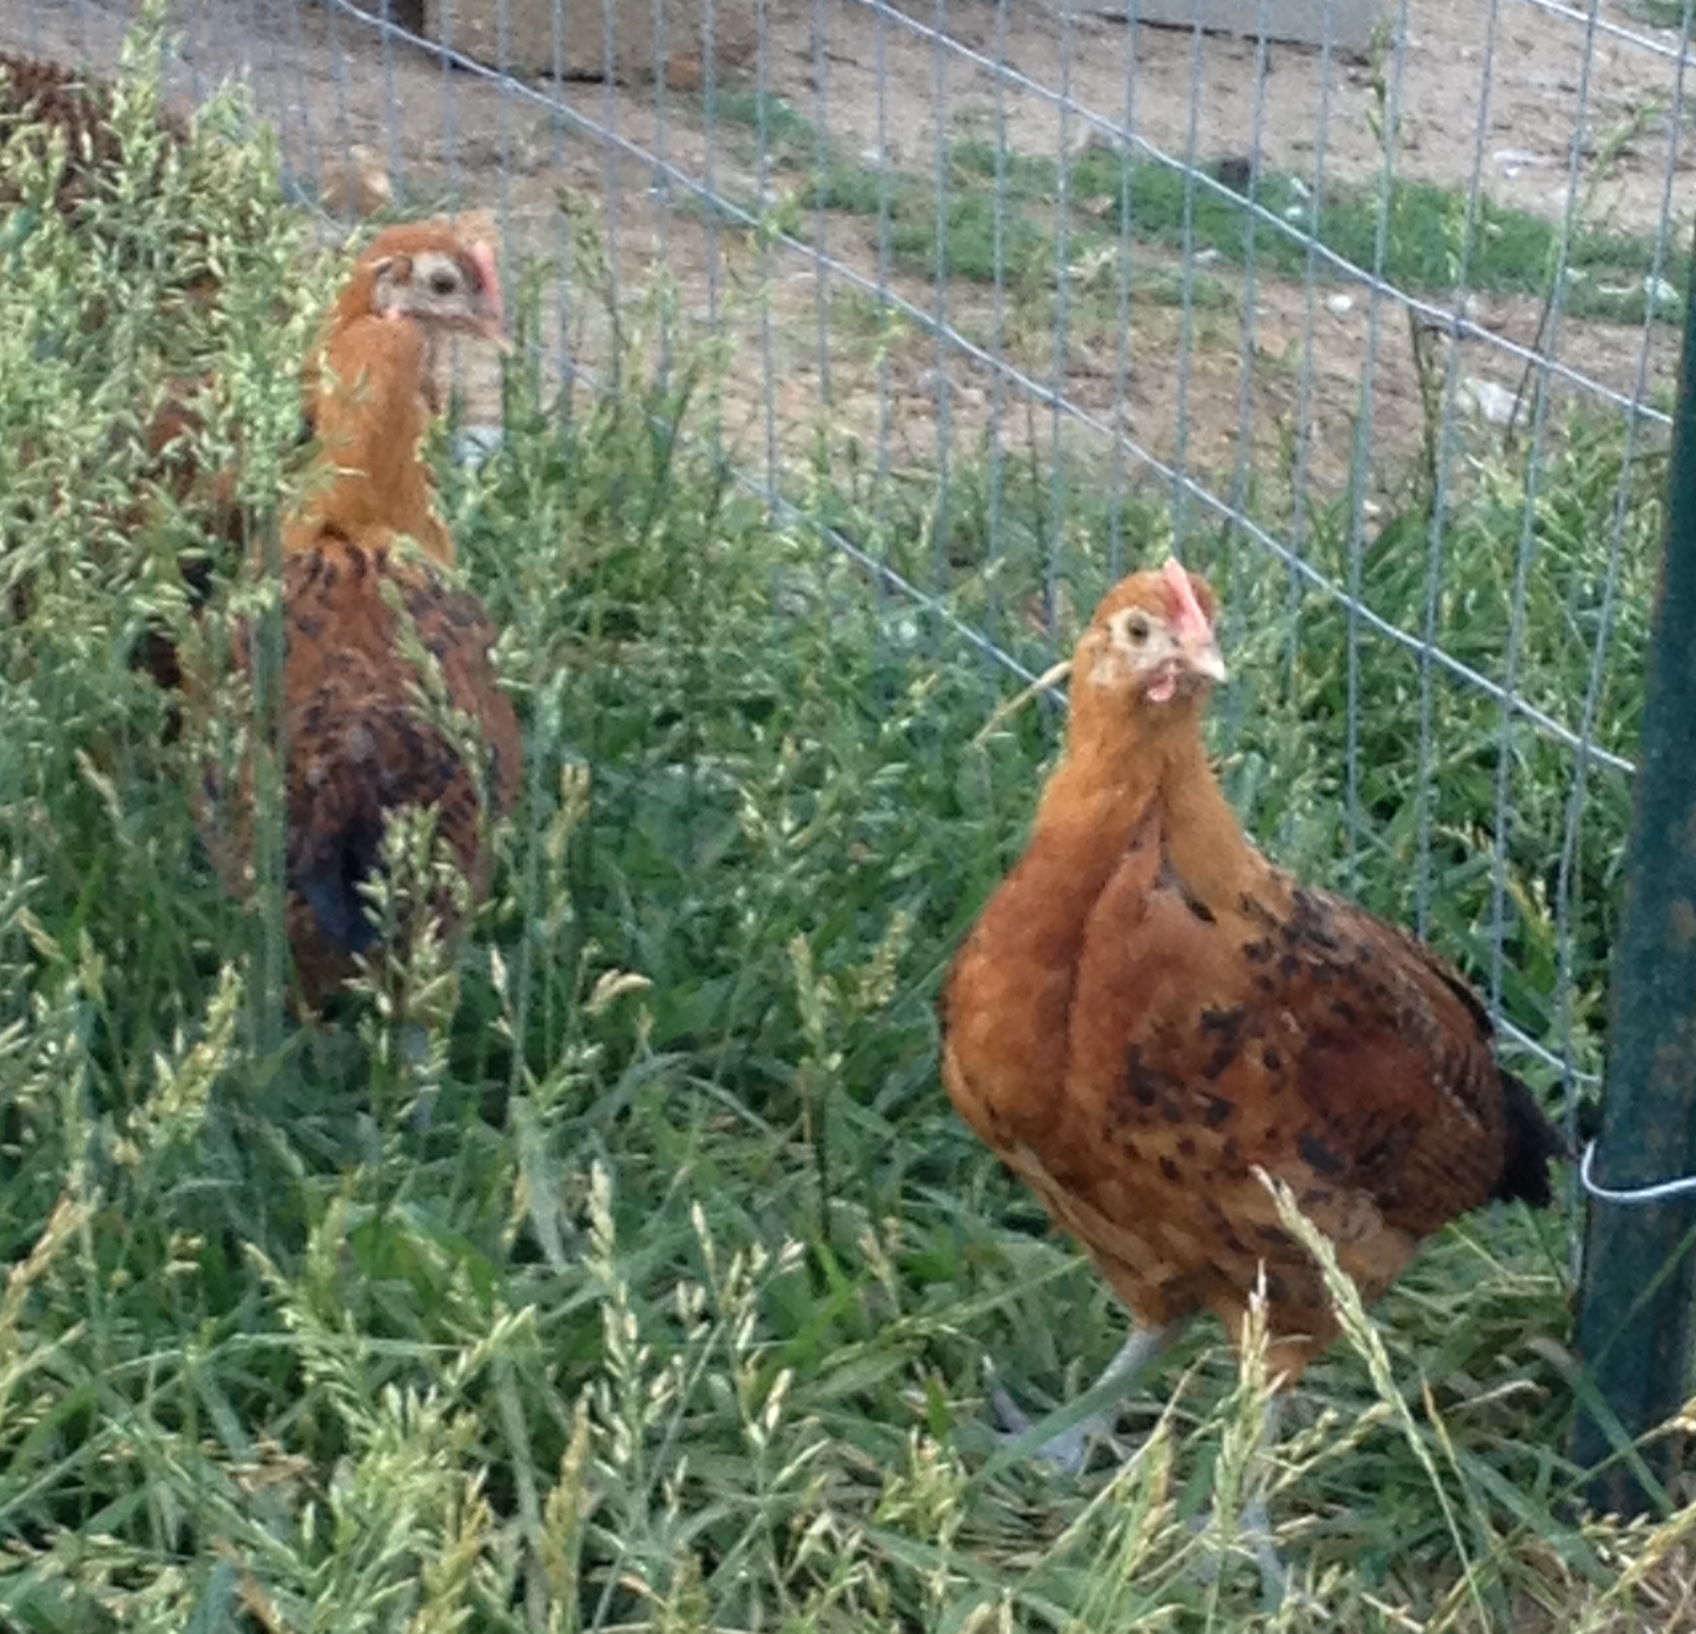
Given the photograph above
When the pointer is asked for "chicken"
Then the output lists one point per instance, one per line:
(359, 185)
(171, 436)
(41, 99)
(1148, 1010)
(172, 440)
(359, 747)
(434, 256)
(39, 96)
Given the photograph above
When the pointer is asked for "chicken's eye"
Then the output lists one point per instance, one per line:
(1136, 629)
(443, 282)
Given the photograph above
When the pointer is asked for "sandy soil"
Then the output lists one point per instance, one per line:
(1252, 378)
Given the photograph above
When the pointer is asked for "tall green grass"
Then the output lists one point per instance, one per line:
(673, 1316)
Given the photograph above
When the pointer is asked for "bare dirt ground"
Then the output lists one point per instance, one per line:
(1564, 108)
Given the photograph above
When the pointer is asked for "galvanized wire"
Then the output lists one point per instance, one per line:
(693, 174)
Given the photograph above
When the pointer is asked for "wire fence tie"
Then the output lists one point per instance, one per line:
(1657, 1193)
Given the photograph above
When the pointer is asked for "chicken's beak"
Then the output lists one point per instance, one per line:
(1202, 656)
(1198, 649)
(492, 328)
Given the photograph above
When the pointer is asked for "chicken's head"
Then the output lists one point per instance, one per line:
(1151, 640)
(434, 273)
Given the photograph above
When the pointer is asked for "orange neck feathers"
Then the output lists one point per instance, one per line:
(1133, 791)
(1128, 760)
(1129, 763)
(371, 416)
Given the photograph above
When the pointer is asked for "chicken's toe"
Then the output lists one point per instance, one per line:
(1256, 1538)
(1274, 1575)
(1067, 1451)
(1255, 1532)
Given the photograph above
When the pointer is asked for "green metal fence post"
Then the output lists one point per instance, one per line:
(1635, 1318)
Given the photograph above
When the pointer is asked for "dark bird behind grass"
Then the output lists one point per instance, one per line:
(167, 207)
(41, 100)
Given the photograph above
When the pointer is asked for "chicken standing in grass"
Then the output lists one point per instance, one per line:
(365, 557)
(1148, 1010)
(122, 157)
(172, 436)
(100, 188)
(39, 96)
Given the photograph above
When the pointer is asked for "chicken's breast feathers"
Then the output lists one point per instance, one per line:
(1148, 1015)
(361, 742)
(1297, 1032)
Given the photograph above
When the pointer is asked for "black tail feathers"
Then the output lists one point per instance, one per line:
(329, 885)
(1532, 1143)
(368, 762)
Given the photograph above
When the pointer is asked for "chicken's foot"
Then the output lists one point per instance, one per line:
(1257, 1522)
(1069, 1448)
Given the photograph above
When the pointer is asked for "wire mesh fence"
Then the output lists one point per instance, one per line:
(1381, 324)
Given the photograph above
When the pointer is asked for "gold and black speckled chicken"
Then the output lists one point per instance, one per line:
(41, 96)
(1148, 1010)
(106, 182)
(367, 537)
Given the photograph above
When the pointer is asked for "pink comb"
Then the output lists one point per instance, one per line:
(483, 259)
(1189, 622)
